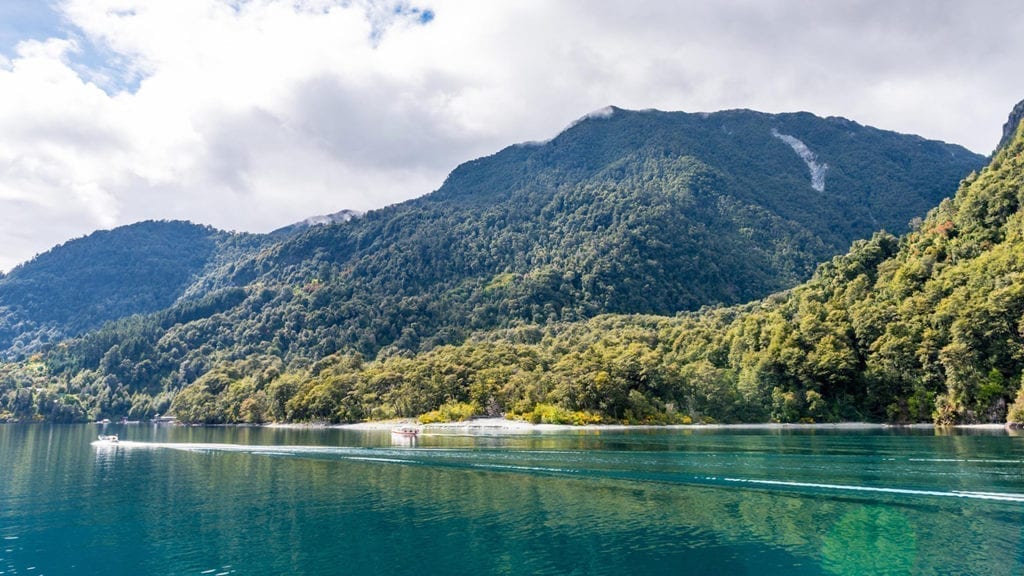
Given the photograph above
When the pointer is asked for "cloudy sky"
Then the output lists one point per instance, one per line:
(252, 114)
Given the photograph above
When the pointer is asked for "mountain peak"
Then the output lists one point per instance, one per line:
(599, 114)
(319, 220)
(1012, 123)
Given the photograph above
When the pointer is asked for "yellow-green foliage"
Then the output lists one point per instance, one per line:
(552, 414)
(1016, 413)
(451, 412)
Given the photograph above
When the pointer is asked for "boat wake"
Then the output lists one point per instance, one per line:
(994, 496)
(585, 465)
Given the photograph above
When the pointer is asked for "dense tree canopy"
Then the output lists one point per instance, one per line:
(925, 327)
(565, 282)
(110, 274)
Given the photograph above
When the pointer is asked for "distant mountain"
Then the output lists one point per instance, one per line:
(323, 220)
(110, 274)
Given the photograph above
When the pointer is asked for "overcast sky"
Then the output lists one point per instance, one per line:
(252, 114)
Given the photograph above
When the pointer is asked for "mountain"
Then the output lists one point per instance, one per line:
(623, 212)
(647, 212)
(83, 283)
(1010, 128)
(633, 212)
(321, 220)
(927, 327)
(110, 274)
(867, 179)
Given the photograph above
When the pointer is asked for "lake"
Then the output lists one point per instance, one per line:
(179, 500)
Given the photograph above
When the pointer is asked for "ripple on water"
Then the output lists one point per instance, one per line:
(601, 504)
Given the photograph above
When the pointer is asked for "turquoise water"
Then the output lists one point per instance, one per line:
(174, 500)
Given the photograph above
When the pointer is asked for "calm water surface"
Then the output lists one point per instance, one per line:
(172, 500)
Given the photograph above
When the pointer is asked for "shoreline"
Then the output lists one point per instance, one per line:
(502, 425)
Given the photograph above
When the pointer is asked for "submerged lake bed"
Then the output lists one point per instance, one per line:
(777, 500)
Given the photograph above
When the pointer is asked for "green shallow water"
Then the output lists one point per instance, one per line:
(172, 500)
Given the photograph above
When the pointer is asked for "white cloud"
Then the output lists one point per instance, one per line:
(250, 114)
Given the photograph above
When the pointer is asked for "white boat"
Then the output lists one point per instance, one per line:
(108, 438)
(405, 431)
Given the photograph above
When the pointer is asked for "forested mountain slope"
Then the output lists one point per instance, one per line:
(925, 327)
(623, 212)
(632, 212)
(83, 283)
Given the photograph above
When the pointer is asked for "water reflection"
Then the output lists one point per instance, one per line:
(271, 501)
(871, 540)
(403, 441)
(105, 452)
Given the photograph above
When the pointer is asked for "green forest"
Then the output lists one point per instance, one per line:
(82, 284)
(591, 280)
(927, 327)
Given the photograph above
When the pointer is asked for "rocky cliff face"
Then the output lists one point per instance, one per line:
(1010, 128)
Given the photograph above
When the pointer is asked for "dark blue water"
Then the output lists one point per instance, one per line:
(172, 500)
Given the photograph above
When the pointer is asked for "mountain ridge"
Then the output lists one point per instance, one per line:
(912, 329)
(82, 283)
(1010, 127)
(625, 212)
(339, 217)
